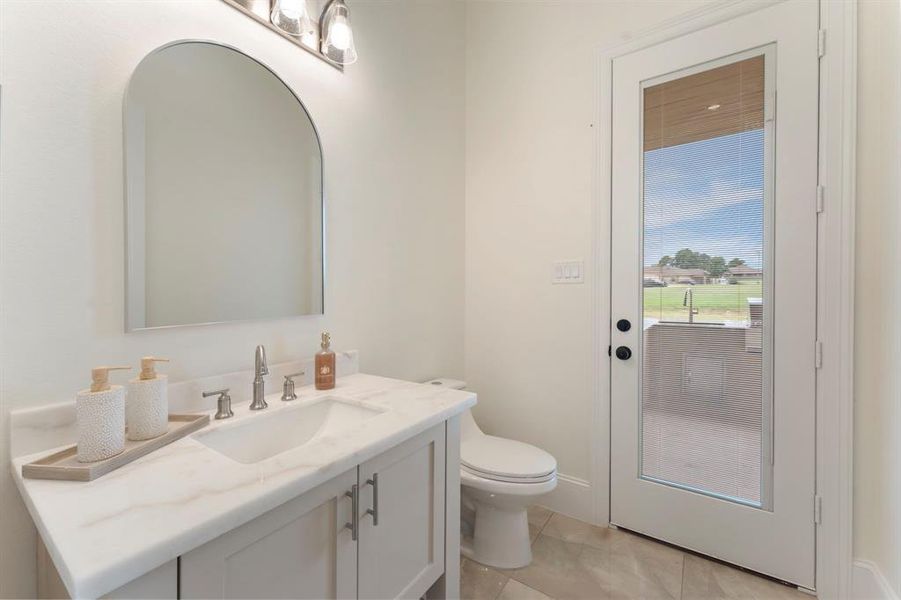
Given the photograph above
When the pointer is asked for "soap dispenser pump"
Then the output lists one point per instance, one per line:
(325, 365)
(100, 413)
(147, 403)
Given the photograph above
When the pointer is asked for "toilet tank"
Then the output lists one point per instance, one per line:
(454, 384)
(468, 425)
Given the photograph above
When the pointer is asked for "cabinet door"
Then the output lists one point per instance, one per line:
(299, 550)
(403, 555)
(160, 583)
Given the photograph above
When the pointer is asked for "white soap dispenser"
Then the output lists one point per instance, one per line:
(100, 412)
(147, 403)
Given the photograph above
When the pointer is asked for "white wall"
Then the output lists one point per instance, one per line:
(877, 428)
(532, 81)
(394, 241)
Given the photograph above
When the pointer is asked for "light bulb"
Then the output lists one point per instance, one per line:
(291, 17)
(292, 8)
(340, 34)
(337, 35)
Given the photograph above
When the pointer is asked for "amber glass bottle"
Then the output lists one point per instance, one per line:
(325, 365)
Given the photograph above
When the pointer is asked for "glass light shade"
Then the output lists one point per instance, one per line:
(337, 35)
(291, 16)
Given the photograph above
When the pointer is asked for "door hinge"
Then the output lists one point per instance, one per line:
(818, 354)
(817, 509)
(821, 43)
(821, 199)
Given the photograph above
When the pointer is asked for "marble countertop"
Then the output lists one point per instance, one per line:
(104, 533)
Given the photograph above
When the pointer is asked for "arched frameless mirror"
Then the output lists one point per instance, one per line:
(223, 192)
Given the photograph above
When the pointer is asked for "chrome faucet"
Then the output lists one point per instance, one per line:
(260, 368)
(225, 403)
(288, 392)
(688, 299)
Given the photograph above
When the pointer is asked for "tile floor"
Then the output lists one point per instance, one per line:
(575, 560)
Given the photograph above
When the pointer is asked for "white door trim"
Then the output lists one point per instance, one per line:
(835, 310)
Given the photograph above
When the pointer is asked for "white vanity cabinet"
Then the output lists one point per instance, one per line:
(203, 519)
(303, 548)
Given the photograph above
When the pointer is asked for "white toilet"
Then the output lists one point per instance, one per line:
(500, 479)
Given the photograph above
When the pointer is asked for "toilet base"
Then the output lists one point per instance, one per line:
(500, 531)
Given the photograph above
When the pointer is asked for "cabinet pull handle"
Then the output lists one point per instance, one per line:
(374, 511)
(354, 525)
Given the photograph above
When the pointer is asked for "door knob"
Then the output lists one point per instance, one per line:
(623, 353)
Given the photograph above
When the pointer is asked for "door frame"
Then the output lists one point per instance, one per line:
(835, 248)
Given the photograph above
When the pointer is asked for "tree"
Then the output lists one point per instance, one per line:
(702, 261)
(686, 258)
(736, 262)
(717, 266)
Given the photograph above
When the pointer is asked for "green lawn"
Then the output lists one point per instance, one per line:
(717, 302)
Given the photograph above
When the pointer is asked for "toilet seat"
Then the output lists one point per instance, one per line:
(500, 459)
(503, 479)
(511, 490)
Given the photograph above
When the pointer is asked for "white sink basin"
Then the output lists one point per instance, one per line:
(261, 436)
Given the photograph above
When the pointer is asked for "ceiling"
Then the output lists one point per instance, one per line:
(720, 101)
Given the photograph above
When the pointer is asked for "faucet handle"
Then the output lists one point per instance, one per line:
(224, 410)
(288, 393)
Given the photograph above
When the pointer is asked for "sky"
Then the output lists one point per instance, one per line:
(707, 196)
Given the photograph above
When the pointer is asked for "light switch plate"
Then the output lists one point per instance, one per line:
(568, 271)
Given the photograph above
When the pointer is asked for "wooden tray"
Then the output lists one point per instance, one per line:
(64, 464)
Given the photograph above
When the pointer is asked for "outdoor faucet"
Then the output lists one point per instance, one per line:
(689, 300)
(260, 368)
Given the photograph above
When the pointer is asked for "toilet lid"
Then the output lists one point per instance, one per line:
(508, 459)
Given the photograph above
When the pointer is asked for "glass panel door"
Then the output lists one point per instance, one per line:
(713, 284)
(706, 198)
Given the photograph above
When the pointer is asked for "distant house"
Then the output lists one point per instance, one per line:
(745, 272)
(676, 275)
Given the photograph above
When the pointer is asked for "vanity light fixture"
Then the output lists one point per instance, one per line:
(336, 34)
(291, 16)
(291, 20)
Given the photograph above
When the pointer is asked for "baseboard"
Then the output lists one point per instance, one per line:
(868, 582)
(572, 497)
